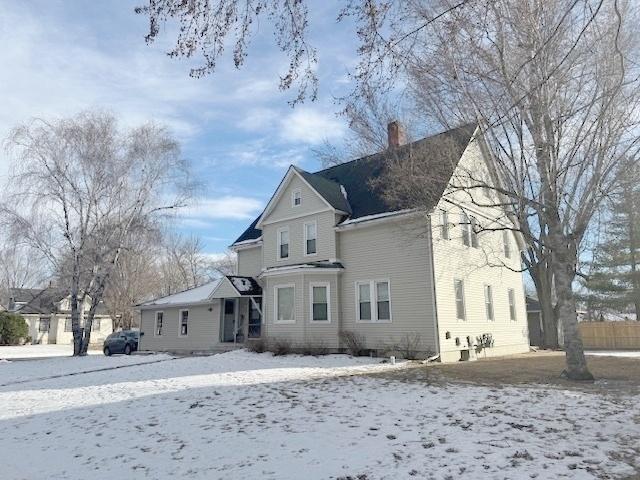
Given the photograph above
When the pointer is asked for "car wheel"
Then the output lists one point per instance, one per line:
(127, 349)
(107, 351)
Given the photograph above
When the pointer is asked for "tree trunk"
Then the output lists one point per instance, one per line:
(542, 278)
(564, 262)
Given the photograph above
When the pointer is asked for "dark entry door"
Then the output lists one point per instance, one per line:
(228, 320)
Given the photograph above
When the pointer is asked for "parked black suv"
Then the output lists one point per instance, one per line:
(125, 342)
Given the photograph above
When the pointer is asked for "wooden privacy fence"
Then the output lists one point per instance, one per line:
(611, 335)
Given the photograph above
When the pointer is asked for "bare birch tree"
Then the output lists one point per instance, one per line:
(82, 188)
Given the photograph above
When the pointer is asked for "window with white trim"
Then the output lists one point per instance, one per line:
(96, 324)
(373, 299)
(383, 304)
(310, 238)
(158, 326)
(319, 293)
(474, 232)
(512, 304)
(184, 323)
(488, 302)
(465, 223)
(506, 244)
(284, 303)
(444, 227)
(43, 325)
(68, 325)
(296, 198)
(458, 286)
(364, 302)
(283, 243)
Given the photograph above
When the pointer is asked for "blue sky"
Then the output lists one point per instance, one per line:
(235, 127)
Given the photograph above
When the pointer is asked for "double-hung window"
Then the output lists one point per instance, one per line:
(373, 300)
(310, 236)
(68, 325)
(96, 324)
(444, 228)
(512, 304)
(296, 198)
(465, 223)
(284, 303)
(319, 293)
(283, 243)
(184, 323)
(469, 230)
(159, 320)
(43, 326)
(459, 294)
(506, 244)
(488, 302)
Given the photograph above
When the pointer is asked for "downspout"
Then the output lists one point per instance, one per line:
(433, 287)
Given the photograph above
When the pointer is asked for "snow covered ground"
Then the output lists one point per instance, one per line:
(39, 351)
(241, 415)
(615, 353)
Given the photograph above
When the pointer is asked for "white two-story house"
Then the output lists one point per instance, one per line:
(328, 255)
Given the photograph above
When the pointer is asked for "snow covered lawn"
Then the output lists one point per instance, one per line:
(39, 351)
(614, 353)
(240, 415)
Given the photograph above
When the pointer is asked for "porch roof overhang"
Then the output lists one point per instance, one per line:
(310, 267)
(237, 286)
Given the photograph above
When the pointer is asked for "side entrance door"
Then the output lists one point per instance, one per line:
(228, 319)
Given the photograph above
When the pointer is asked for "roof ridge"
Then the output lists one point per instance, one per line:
(401, 147)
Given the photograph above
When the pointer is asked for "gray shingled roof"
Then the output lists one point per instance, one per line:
(355, 177)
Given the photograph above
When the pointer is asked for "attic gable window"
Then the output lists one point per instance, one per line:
(296, 198)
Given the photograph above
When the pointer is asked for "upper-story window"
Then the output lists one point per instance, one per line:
(469, 230)
(296, 198)
(506, 244)
(310, 236)
(444, 228)
(283, 243)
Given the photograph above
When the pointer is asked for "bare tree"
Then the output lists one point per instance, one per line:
(554, 90)
(20, 266)
(205, 27)
(82, 188)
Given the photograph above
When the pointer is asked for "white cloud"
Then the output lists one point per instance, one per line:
(224, 208)
(311, 126)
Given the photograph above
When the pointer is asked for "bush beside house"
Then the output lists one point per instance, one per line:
(13, 329)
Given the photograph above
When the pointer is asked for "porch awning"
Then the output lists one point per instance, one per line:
(236, 286)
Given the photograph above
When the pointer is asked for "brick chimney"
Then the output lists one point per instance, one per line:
(396, 135)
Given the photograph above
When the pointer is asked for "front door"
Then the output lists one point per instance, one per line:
(228, 320)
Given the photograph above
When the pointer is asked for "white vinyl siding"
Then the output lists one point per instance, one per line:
(310, 238)
(373, 301)
(183, 323)
(283, 243)
(319, 300)
(158, 324)
(512, 304)
(459, 296)
(284, 304)
(488, 303)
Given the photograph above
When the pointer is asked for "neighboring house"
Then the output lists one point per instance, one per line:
(48, 315)
(328, 255)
